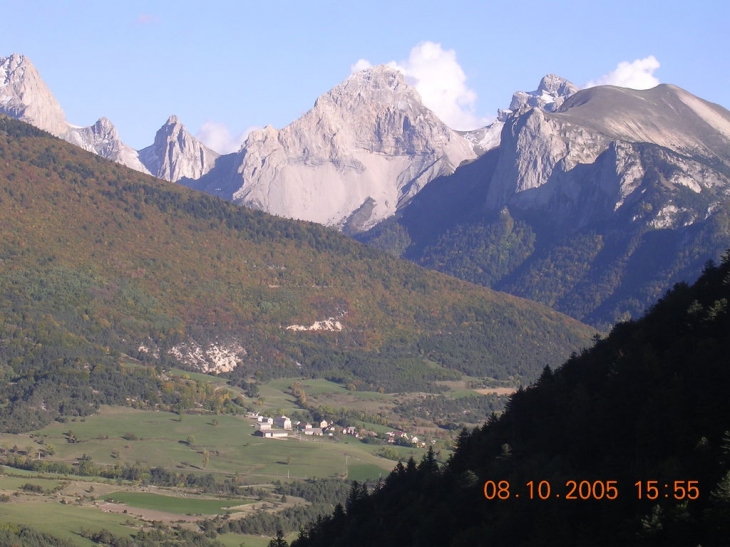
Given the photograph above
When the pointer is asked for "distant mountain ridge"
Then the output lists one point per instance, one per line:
(550, 94)
(595, 208)
(174, 154)
(357, 157)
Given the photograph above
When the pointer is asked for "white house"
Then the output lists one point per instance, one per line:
(282, 422)
(272, 433)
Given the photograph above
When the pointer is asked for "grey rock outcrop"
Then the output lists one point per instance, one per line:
(102, 139)
(550, 94)
(24, 96)
(588, 158)
(176, 154)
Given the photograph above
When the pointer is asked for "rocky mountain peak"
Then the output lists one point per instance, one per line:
(106, 127)
(549, 96)
(366, 147)
(176, 154)
(388, 112)
(605, 147)
(381, 84)
(556, 86)
(103, 139)
(24, 95)
(12, 68)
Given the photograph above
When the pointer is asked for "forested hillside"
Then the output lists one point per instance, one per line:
(627, 443)
(98, 261)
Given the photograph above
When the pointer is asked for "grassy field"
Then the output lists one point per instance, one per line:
(46, 513)
(162, 440)
(181, 443)
(68, 506)
(172, 504)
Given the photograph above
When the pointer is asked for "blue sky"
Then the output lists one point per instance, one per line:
(224, 67)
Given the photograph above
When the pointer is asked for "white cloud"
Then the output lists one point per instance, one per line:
(216, 136)
(361, 64)
(638, 74)
(441, 82)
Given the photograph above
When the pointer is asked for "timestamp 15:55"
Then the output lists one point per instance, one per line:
(678, 490)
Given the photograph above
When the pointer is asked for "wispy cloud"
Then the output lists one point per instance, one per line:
(361, 64)
(217, 136)
(638, 74)
(441, 82)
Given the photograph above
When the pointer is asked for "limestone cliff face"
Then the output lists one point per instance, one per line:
(594, 208)
(591, 156)
(364, 149)
(550, 94)
(24, 96)
(102, 138)
(176, 154)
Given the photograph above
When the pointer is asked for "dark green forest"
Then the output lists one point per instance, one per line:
(627, 443)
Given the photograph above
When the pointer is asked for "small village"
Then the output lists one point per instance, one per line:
(282, 427)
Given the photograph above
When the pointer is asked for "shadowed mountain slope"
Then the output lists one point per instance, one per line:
(594, 209)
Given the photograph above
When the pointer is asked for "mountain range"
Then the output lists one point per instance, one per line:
(356, 158)
(595, 208)
(173, 155)
(591, 201)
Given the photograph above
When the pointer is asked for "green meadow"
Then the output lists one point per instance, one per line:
(223, 445)
(162, 439)
(172, 504)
